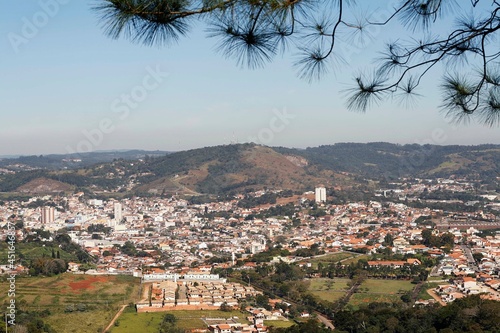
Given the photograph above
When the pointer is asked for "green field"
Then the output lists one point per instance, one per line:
(423, 292)
(77, 303)
(30, 251)
(279, 323)
(386, 286)
(357, 300)
(374, 290)
(328, 289)
(131, 321)
(355, 259)
(330, 258)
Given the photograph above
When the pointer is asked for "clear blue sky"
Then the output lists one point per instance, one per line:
(61, 90)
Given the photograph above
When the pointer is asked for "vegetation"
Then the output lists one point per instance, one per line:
(471, 314)
(253, 32)
(312, 325)
(71, 303)
(131, 321)
(230, 171)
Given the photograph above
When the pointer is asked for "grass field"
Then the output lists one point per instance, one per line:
(328, 289)
(386, 286)
(33, 250)
(355, 259)
(330, 258)
(131, 321)
(77, 303)
(374, 290)
(357, 300)
(423, 292)
(279, 323)
(438, 278)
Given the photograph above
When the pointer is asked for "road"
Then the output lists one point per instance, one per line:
(325, 321)
(470, 259)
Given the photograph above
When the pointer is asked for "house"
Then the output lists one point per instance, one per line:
(495, 284)
(393, 263)
(220, 328)
(469, 282)
(73, 267)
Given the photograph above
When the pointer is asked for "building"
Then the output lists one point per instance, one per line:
(48, 214)
(320, 193)
(118, 212)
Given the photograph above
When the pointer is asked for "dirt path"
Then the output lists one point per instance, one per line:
(436, 297)
(175, 181)
(115, 318)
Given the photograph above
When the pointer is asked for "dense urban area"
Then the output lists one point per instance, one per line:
(418, 255)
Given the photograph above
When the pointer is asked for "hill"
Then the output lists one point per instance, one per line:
(44, 185)
(380, 160)
(220, 169)
(242, 167)
(72, 161)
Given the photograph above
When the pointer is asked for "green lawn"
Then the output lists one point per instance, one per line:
(355, 259)
(357, 300)
(374, 290)
(386, 286)
(131, 321)
(30, 251)
(97, 297)
(329, 289)
(330, 258)
(438, 278)
(279, 323)
(423, 292)
(148, 322)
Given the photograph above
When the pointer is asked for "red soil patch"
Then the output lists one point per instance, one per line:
(87, 283)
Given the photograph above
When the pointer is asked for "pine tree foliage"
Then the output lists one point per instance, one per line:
(254, 31)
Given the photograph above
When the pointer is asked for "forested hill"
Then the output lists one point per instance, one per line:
(233, 168)
(380, 159)
(72, 161)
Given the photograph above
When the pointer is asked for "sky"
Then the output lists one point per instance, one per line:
(66, 87)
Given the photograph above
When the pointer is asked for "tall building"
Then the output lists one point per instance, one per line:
(320, 193)
(48, 214)
(118, 212)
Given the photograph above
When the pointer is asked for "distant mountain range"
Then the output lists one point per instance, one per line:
(73, 161)
(239, 167)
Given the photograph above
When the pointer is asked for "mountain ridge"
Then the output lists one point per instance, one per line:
(242, 167)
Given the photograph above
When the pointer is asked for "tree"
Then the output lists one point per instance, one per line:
(168, 324)
(389, 240)
(128, 248)
(255, 31)
(169, 318)
(225, 307)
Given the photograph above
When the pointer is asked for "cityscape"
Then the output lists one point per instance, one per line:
(211, 256)
(250, 166)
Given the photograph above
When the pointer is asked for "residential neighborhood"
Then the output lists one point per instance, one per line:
(184, 252)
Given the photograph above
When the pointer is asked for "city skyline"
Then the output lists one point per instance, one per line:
(68, 88)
